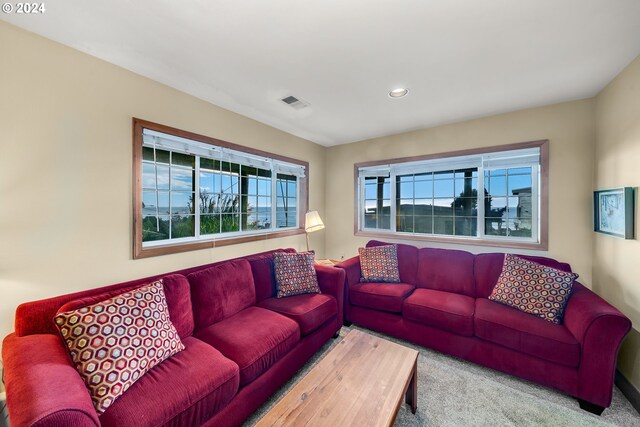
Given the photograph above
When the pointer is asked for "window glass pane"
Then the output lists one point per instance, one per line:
(519, 227)
(443, 225)
(405, 223)
(206, 182)
(230, 222)
(514, 171)
(423, 189)
(466, 173)
(252, 186)
(443, 188)
(423, 176)
(370, 191)
(423, 207)
(466, 187)
(406, 190)
(264, 187)
(182, 179)
(209, 164)
(370, 220)
(149, 203)
(181, 202)
(147, 154)
(148, 175)
(495, 226)
(519, 184)
(423, 223)
(443, 175)
(385, 222)
(208, 202)
(183, 159)
(182, 226)
(498, 185)
(162, 156)
(404, 207)
(163, 177)
(209, 224)
(405, 178)
(466, 226)
(155, 228)
(465, 206)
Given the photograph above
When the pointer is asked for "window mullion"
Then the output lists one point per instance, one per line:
(274, 198)
(196, 199)
(480, 196)
(392, 202)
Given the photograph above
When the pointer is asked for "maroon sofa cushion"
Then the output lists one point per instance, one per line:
(487, 269)
(528, 334)
(176, 291)
(255, 338)
(308, 310)
(263, 273)
(443, 310)
(446, 270)
(407, 260)
(380, 296)
(221, 291)
(186, 389)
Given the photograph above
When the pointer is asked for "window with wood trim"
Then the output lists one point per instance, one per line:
(193, 192)
(494, 196)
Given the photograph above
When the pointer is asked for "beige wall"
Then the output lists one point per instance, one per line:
(617, 164)
(569, 128)
(65, 169)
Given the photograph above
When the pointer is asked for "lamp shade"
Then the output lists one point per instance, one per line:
(312, 222)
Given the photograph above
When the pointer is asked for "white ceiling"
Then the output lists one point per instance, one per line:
(460, 59)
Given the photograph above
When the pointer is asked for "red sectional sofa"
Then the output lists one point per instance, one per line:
(241, 345)
(442, 304)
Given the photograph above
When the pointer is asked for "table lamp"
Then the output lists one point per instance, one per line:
(312, 222)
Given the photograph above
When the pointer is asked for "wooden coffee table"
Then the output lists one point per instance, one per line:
(360, 382)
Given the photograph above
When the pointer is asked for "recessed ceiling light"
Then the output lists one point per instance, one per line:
(398, 93)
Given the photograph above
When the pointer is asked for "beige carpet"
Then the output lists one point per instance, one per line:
(452, 392)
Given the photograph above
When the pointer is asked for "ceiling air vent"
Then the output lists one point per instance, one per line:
(294, 102)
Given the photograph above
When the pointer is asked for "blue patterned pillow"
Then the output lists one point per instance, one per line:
(533, 288)
(379, 264)
(295, 274)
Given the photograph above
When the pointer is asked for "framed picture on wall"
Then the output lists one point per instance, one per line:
(613, 212)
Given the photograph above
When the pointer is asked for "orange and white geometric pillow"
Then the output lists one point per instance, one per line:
(114, 342)
(379, 264)
(533, 288)
(295, 274)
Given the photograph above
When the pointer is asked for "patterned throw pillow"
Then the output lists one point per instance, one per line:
(533, 288)
(131, 330)
(295, 274)
(379, 264)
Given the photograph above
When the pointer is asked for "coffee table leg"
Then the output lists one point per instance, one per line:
(411, 397)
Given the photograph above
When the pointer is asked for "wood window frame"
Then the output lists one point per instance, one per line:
(139, 251)
(543, 242)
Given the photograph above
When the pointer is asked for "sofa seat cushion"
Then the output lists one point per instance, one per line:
(528, 334)
(380, 296)
(186, 389)
(443, 310)
(255, 338)
(310, 311)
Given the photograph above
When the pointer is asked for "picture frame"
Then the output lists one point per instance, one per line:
(613, 212)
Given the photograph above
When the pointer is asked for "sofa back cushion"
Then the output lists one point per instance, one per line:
(407, 260)
(446, 270)
(488, 267)
(264, 274)
(221, 291)
(178, 298)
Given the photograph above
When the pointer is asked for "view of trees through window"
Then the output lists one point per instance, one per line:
(226, 197)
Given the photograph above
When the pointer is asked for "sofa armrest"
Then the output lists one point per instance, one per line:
(352, 271)
(599, 328)
(331, 282)
(43, 387)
